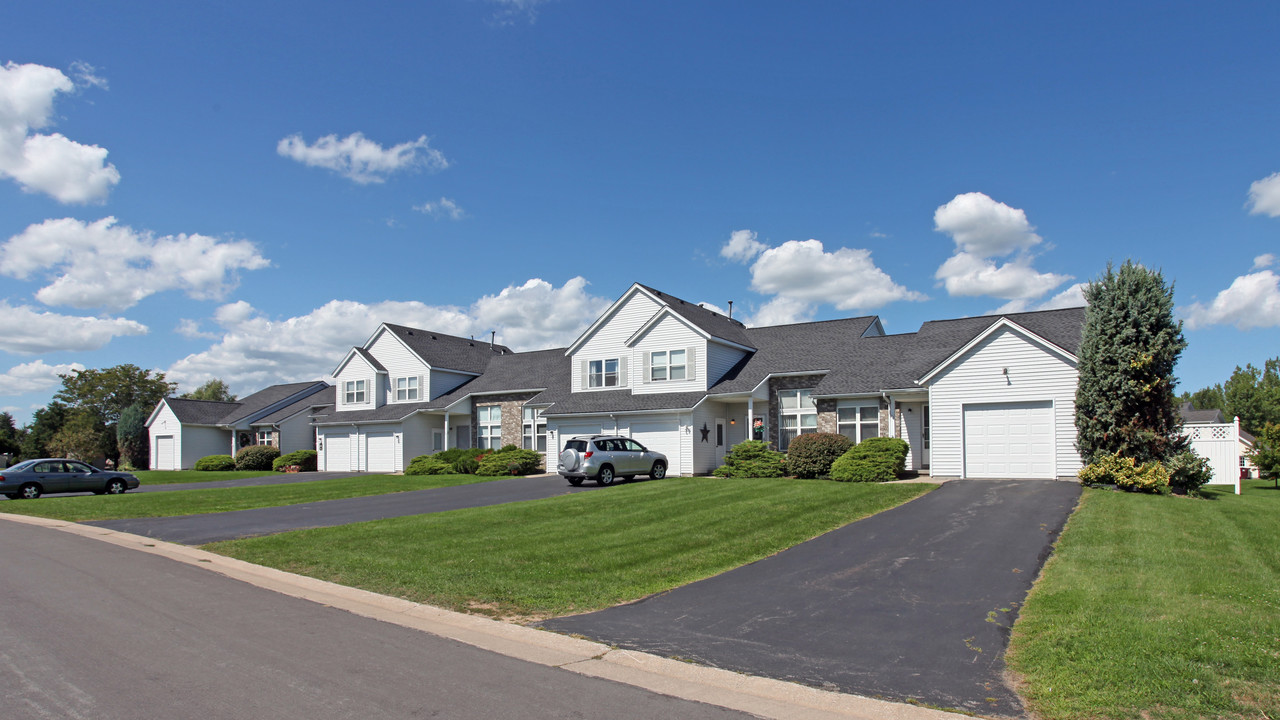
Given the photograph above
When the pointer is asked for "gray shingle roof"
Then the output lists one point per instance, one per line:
(369, 358)
(448, 352)
(606, 401)
(324, 397)
(1191, 416)
(711, 322)
(200, 412)
(266, 397)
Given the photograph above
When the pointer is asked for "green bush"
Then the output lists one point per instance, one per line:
(464, 461)
(429, 465)
(1188, 471)
(1125, 473)
(752, 459)
(256, 457)
(872, 460)
(810, 455)
(216, 462)
(509, 462)
(306, 460)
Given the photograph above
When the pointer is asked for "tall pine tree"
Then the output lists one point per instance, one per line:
(1124, 401)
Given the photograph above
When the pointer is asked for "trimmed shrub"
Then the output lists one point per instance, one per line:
(752, 459)
(1125, 474)
(464, 461)
(872, 460)
(429, 465)
(219, 463)
(256, 457)
(306, 461)
(1188, 471)
(510, 462)
(810, 455)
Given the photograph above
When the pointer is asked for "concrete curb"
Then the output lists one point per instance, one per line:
(762, 697)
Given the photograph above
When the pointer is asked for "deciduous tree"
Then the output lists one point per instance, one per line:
(215, 389)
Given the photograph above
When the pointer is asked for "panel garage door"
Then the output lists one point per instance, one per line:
(1009, 440)
(661, 435)
(381, 451)
(166, 458)
(337, 451)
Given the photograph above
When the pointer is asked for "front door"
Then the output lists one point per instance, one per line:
(722, 442)
(924, 438)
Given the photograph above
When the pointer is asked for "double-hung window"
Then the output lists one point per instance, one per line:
(489, 426)
(858, 422)
(798, 415)
(602, 373)
(266, 437)
(535, 429)
(407, 388)
(354, 392)
(667, 365)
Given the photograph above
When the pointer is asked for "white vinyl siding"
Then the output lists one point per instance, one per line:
(667, 335)
(399, 362)
(609, 340)
(356, 370)
(442, 381)
(1035, 374)
(720, 359)
(296, 433)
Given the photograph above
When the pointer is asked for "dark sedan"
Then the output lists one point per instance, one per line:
(33, 478)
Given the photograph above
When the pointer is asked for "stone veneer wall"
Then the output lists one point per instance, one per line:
(512, 421)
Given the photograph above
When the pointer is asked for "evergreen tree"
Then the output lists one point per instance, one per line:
(10, 440)
(132, 438)
(1125, 401)
(45, 423)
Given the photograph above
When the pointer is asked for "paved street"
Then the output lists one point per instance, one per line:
(96, 631)
(913, 603)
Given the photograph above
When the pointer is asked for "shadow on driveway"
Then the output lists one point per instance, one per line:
(914, 603)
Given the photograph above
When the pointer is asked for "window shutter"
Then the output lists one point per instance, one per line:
(622, 371)
(586, 382)
(691, 363)
(645, 358)
(422, 387)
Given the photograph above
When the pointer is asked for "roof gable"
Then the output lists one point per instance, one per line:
(446, 352)
(1002, 323)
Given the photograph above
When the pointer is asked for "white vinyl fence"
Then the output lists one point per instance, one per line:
(1219, 443)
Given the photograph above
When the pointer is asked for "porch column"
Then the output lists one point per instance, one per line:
(751, 417)
(446, 429)
(893, 417)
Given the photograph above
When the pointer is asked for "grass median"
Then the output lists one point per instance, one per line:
(80, 508)
(573, 553)
(173, 477)
(1160, 607)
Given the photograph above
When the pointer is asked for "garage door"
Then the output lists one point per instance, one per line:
(381, 452)
(165, 455)
(337, 451)
(661, 435)
(1009, 440)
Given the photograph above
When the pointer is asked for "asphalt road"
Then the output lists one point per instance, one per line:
(96, 631)
(200, 529)
(915, 603)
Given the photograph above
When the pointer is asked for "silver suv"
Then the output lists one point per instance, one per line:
(607, 457)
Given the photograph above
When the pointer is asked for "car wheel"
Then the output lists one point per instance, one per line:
(606, 476)
(575, 481)
(116, 487)
(30, 491)
(659, 470)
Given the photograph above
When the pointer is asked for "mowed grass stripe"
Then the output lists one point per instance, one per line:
(82, 508)
(574, 553)
(1157, 606)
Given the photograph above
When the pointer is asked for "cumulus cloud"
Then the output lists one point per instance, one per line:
(1265, 260)
(968, 275)
(360, 159)
(983, 230)
(1264, 196)
(782, 311)
(102, 264)
(255, 350)
(34, 377)
(742, 247)
(1071, 297)
(803, 271)
(1252, 301)
(27, 331)
(442, 208)
(52, 164)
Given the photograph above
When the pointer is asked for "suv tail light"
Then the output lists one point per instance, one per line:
(588, 454)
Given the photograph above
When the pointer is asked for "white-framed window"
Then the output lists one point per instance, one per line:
(858, 422)
(489, 426)
(407, 388)
(602, 373)
(797, 415)
(266, 437)
(535, 429)
(354, 392)
(667, 365)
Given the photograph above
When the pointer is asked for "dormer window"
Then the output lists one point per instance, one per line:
(667, 365)
(354, 392)
(602, 373)
(407, 388)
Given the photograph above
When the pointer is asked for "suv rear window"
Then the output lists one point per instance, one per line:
(579, 445)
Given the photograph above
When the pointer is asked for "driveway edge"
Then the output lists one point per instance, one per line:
(762, 697)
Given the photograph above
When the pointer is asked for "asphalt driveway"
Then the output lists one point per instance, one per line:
(912, 604)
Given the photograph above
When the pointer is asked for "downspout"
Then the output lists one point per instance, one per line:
(446, 429)
(893, 420)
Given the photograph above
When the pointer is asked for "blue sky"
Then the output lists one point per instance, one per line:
(243, 191)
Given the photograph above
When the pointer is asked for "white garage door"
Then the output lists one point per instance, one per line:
(381, 452)
(1009, 440)
(165, 458)
(337, 451)
(661, 435)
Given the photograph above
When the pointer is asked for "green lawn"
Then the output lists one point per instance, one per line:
(80, 508)
(1160, 607)
(574, 553)
(168, 477)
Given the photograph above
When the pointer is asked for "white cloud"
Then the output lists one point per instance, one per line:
(53, 164)
(255, 350)
(34, 377)
(509, 11)
(191, 329)
(969, 275)
(101, 264)
(1071, 297)
(1265, 260)
(981, 226)
(805, 272)
(87, 75)
(360, 159)
(27, 331)
(444, 207)
(742, 247)
(1252, 301)
(782, 311)
(1264, 196)
(713, 308)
